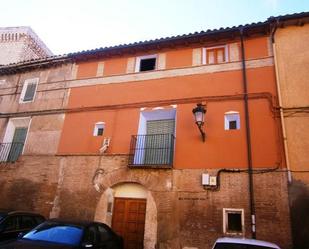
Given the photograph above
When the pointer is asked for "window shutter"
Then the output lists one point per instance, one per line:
(29, 94)
(20, 135)
(220, 55)
(165, 126)
(211, 57)
(17, 143)
(158, 141)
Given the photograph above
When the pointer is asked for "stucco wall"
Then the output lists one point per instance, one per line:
(292, 59)
(50, 94)
(45, 130)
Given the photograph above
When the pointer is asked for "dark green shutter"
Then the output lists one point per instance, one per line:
(30, 91)
(17, 143)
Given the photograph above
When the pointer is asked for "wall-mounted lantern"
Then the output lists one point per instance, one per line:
(199, 114)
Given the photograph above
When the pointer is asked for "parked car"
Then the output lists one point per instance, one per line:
(242, 243)
(59, 234)
(13, 223)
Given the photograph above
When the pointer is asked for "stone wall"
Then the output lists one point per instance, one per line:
(188, 216)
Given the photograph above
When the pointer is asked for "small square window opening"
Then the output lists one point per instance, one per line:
(215, 55)
(99, 129)
(234, 222)
(231, 120)
(233, 125)
(147, 64)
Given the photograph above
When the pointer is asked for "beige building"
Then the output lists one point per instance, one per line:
(292, 68)
(21, 44)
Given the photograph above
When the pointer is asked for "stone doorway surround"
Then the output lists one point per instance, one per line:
(104, 208)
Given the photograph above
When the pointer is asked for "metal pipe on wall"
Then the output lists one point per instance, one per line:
(285, 142)
(248, 138)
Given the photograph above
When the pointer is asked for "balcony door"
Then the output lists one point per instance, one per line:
(14, 139)
(158, 141)
(17, 145)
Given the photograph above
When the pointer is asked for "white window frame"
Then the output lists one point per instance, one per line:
(157, 114)
(215, 47)
(10, 130)
(226, 211)
(97, 126)
(23, 92)
(140, 58)
(231, 116)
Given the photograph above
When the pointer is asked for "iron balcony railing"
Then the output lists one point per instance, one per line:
(9, 152)
(155, 150)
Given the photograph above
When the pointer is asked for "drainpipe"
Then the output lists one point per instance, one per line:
(285, 141)
(248, 138)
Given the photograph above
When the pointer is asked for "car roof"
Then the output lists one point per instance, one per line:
(6, 212)
(74, 222)
(247, 241)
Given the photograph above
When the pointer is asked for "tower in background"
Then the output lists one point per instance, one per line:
(21, 44)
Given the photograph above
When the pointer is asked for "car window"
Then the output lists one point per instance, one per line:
(2, 216)
(58, 233)
(104, 233)
(10, 224)
(27, 222)
(39, 219)
(239, 246)
(91, 235)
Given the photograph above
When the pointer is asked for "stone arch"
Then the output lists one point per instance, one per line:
(150, 179)
(104, 209)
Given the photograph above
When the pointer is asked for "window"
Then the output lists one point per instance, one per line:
(14, 139)
(215, 55)
(104, 233)
(154, 144)
(56, 233)
(146, 63)
(11, 224)
(242, 245)
(233, 221)
(231, 121)
(27, 222)
(28, 91)
(99, 129)
(91, 235)
(39, 219)
(2, 82)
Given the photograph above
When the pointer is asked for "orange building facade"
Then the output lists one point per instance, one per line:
(147, 116)
(120, 106)
(120, 143)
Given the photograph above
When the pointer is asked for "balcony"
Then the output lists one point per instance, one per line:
(9, 152)
(152, 151)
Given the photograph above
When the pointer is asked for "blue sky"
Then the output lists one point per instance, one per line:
(74, 25)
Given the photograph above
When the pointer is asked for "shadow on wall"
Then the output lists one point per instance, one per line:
(21, 194)
(299, 203)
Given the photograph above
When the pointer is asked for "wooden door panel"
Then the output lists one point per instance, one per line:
(129, 221)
